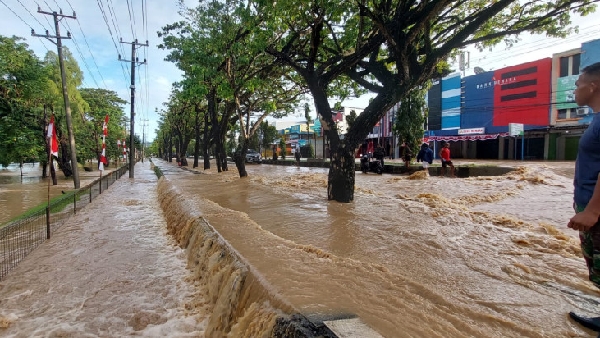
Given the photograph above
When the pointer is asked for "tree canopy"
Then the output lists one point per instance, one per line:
(337, 49)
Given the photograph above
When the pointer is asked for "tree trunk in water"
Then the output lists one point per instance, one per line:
(44, 169)
(240, 159)
(218, 154)
(340, 182)
(197, 138)
(170, 154)
(64, 158)
(206, 143)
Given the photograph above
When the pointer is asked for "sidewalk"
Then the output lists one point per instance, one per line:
(110, 271)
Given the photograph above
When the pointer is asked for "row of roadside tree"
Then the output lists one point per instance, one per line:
(31, 92)
(246, 60)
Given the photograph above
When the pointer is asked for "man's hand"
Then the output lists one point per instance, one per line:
(583, 221)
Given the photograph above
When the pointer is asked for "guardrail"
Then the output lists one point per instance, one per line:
(19, 238)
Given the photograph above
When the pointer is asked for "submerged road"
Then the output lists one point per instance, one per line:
(111, 271)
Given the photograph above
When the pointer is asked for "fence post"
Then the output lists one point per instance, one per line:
(100, 185)
(90, 193)
(75, 203)
(47, 222)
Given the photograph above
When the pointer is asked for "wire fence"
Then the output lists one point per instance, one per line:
(19, 238)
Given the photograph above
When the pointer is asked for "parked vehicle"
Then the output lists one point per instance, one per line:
(252, 156)
(368, 164)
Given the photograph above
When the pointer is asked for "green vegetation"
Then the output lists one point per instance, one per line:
(31, 92)
(245, 60)
(57, 204)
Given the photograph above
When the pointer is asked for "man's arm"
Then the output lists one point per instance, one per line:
(589, 216)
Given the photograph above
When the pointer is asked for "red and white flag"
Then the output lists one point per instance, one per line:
(103, 159)
(52, 137)
(124, 150)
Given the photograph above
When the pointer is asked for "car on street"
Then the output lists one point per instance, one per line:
(252, 156)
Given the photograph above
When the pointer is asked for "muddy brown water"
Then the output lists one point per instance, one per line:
(422, 257)
(426, 257)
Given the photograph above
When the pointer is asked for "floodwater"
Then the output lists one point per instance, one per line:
(111, 271)
(428, 257)
(18, 193)
(412, 256)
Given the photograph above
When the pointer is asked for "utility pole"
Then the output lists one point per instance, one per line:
(144, 124)
(57, 17)
(134, 60)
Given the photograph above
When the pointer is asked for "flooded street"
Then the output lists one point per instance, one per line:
(433, 257)
(110, 271)
(20, 193)
(412, 256)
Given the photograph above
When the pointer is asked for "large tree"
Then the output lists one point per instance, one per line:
(391, 47)
(224, 46)
(102, 102)
(24, 88)
(74, 79)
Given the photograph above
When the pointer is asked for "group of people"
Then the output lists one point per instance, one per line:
(425, 155)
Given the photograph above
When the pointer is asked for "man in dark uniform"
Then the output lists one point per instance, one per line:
(586, 190)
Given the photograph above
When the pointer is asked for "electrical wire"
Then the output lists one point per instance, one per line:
(28, 25)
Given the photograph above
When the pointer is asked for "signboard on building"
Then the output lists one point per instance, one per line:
(515, 129)
(471, 131)
(565, 87)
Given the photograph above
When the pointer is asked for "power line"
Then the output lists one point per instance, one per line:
(131, 19)
(88, 46)
(28, 25)
(28, 11)
(104, 16)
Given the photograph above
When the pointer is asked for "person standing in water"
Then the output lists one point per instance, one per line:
(445, 156)
(586, 194)
(426, 156)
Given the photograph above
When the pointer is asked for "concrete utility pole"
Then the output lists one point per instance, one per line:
(133, 61)
(144, 124)
(58, 43)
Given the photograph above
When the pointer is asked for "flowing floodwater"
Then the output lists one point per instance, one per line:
(111, 271)
(412, 256)
(24, 188)
(424, 257)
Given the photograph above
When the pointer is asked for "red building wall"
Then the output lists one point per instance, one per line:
(522, 94)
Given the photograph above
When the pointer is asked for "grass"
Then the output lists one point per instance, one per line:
(57, 204)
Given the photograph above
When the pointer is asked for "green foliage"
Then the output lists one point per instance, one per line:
(282, 147)
(268, 134)
(351, 118)
(23, 87)
(410, 118)
(101, 102)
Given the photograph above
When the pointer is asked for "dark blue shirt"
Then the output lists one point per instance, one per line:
(425, 155)
(587, 165)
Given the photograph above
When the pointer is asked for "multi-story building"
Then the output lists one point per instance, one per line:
(475, 113)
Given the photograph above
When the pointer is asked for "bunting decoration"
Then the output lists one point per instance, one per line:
(52, 139)
(103, 159)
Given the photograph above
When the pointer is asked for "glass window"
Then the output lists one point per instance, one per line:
(576, 64)
(564, 66)
(562, 114)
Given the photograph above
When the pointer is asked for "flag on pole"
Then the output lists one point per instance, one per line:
(103, 159)
(52, 137)
(124, 150)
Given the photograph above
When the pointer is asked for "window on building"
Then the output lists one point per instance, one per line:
(564, 66)
(563, 114)
(576, 64)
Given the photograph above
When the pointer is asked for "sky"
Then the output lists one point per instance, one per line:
(100, 25)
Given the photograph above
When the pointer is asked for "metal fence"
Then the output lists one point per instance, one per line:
(19, 238)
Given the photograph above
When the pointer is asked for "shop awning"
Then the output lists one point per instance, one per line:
(453, 138)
